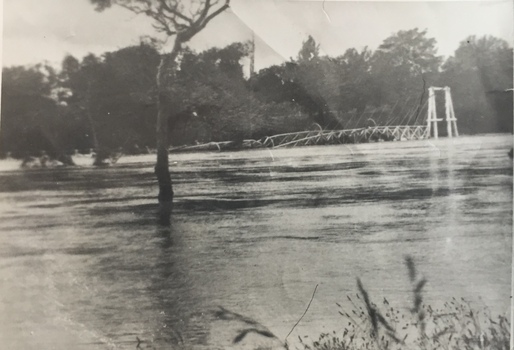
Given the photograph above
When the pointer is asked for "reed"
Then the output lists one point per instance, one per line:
(456, 326)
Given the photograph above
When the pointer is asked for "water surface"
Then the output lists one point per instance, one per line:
(83, 263)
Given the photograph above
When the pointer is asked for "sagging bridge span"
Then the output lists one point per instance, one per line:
(428, 128)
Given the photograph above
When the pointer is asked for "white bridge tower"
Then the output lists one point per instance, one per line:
(451, 121)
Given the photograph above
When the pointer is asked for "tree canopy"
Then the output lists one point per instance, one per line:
(480, 74)
(114, 97)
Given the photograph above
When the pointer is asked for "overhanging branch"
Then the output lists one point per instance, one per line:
(174, 12)
(215, 13)
(169, 17)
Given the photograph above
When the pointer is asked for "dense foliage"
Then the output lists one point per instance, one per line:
(109, 102)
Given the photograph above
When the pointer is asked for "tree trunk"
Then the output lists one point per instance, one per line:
(165, 74)
(100, 154)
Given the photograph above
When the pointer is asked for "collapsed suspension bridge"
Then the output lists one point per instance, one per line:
(408, 127)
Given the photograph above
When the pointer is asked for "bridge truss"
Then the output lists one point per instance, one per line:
(359, 135)
(408, 127)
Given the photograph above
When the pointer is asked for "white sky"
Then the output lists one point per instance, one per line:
(45, 30)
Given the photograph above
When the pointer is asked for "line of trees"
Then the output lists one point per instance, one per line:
(110, 102)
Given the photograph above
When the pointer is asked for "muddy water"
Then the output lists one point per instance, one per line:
(83, 263)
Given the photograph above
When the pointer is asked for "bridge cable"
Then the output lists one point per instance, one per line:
(392, 110)
(420, 111)
(417, 112)
(399, 113)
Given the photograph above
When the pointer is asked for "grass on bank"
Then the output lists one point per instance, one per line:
(457, 326)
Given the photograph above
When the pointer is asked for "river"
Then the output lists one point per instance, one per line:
(84, 265)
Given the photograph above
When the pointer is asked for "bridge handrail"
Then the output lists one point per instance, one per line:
(339, 130)
(317, 133)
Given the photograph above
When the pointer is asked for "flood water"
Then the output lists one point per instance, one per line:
(84, 265)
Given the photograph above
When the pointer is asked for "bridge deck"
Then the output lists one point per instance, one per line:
(323, 137)
(376, 133)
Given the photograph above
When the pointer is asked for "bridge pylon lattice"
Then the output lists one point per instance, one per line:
(432, 120)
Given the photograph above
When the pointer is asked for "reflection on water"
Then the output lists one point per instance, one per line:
(83, 263)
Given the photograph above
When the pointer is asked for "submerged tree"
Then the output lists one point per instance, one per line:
(181, 20)
(32, 120)
(82, 83)
(114, 97)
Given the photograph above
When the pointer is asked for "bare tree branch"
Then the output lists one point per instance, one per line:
(168, 8)
(169, 17)
(215, 13)
(204, 12)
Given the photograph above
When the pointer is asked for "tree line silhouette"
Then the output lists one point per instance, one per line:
(108, 103)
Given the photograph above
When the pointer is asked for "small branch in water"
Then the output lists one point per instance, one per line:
(305, 312)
